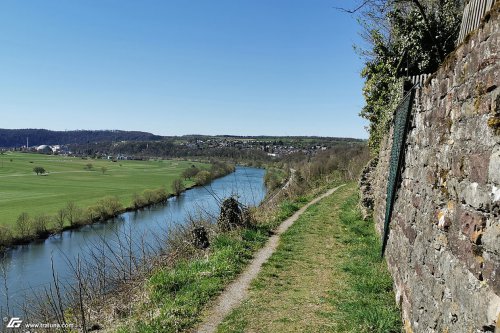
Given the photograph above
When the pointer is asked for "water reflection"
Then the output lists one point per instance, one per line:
(27, 268)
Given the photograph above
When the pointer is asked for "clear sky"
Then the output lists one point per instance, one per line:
(245, 67)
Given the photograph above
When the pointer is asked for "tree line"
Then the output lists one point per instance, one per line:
(17, 137)
(29, 227)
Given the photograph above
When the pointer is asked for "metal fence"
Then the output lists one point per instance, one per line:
(473, 13)
(401, 127)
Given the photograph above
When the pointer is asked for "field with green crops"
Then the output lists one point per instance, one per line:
(83, 181)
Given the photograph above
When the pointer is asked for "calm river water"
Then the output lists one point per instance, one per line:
(28, 268)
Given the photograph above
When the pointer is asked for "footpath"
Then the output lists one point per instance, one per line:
(320, 272)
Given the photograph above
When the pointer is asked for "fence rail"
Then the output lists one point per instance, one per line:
(473, 13)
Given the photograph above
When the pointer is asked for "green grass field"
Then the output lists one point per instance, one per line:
(21, 190)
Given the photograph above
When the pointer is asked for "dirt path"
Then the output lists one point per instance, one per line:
(237, 291)
(283, 188)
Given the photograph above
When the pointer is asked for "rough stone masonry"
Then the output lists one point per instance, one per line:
(444, 242)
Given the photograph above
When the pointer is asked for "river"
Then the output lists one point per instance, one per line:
(27, 269)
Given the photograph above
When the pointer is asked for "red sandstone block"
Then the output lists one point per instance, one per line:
(478, 167)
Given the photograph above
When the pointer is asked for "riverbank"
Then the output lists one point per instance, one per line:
(131, 246)
(74, 214)
(162, 198)
(174, 296)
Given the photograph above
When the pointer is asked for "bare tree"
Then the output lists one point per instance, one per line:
(23, 225)
(60, 217)
(73, 212)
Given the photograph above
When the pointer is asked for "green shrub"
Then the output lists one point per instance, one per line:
(149, 196)
(203, 177)
(109, 207)
(138, 200)
(189, 173)
(92, 213)
(178, 186)
(161, 194)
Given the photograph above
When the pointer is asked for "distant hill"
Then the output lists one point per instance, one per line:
(17, 137)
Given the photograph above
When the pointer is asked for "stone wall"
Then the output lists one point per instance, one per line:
(444, 243)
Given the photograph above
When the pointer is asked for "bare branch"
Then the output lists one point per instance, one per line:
(352, 11)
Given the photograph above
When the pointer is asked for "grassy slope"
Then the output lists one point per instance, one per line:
(326, 276)
(179, 294)
(22, 191)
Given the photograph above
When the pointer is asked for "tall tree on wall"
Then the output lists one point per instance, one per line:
(404, 38)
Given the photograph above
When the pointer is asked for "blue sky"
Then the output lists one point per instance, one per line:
(245, 67)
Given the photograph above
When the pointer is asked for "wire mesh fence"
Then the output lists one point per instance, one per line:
(401, 127)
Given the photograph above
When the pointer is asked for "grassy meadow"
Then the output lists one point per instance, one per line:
(70, 179)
